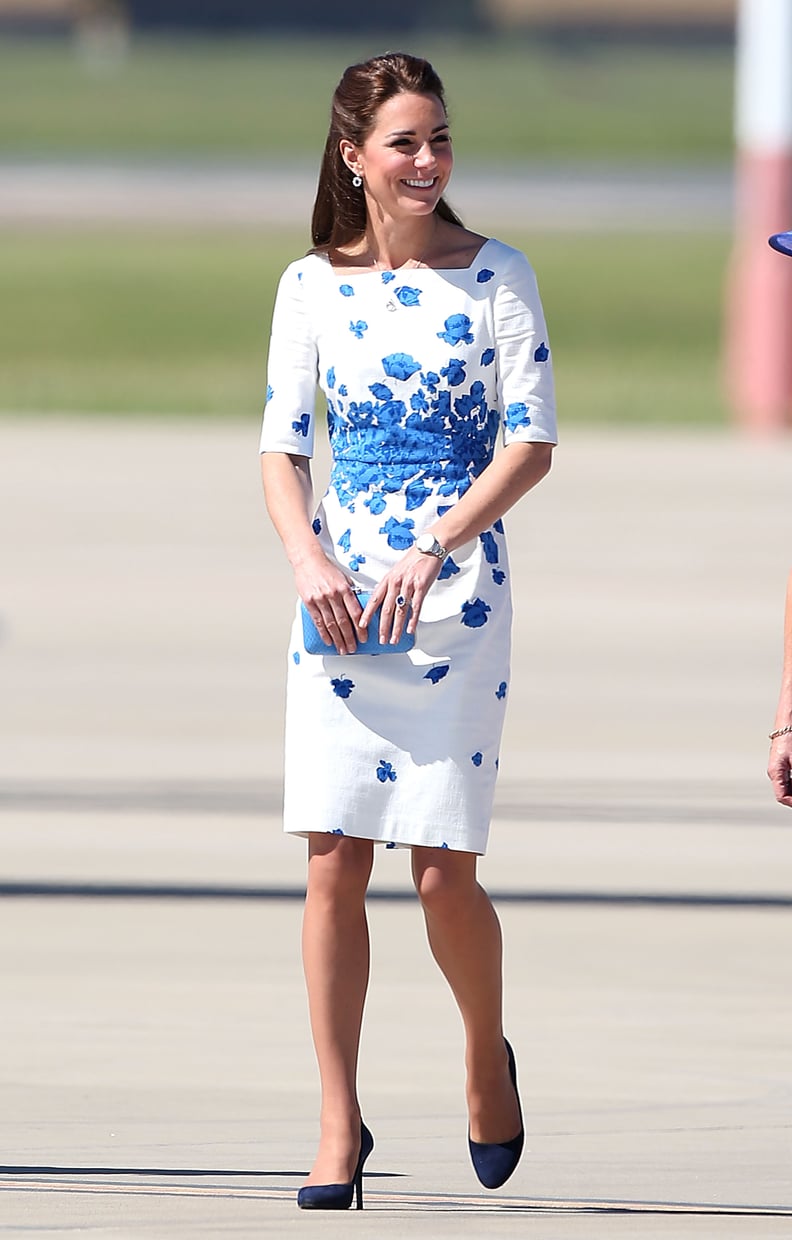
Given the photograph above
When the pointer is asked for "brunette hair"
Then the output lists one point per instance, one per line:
(339, 212)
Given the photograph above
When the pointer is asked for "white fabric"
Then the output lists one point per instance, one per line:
(423, 372)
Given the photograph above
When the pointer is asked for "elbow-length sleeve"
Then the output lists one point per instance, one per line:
(292, 372)
(525, 369)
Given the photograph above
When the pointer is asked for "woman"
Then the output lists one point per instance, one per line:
(428, 341)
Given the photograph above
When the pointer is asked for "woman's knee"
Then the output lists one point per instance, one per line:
(444, 880)
(339, 867)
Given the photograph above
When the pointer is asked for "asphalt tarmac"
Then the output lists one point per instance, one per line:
(157, 1073)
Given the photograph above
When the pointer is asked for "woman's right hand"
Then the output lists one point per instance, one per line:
(331, 602)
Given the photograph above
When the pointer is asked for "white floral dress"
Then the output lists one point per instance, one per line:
(423, 370)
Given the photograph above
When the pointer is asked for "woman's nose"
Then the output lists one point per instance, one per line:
(425, 157)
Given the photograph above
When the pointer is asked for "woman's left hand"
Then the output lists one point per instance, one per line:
(401, 593)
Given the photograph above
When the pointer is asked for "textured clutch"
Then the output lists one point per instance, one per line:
(372, 645)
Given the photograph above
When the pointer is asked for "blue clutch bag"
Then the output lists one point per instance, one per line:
(372, 645)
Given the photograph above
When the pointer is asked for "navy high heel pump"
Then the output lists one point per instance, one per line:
(494, 1162)
(339, 1196)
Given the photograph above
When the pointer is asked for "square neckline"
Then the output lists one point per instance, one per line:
(380, 271)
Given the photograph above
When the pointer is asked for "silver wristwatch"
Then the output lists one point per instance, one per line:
(428, 544)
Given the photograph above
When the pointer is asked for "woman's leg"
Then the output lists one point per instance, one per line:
(335, 946)
(465, 938)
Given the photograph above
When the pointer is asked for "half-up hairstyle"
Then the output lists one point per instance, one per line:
(339, 213)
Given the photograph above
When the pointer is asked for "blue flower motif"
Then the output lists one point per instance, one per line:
(344, 540)
(335, 831)
(498, 526)
(346, 290)
(316, 525)
(408, 296)
(356, 561)
(299, 275)
(296, 656)
(357, 330)
(400, 365)
(416, 493)
(392, 844)
(474, 614)
(498, 576)
(399, 533)
(477, 758)
(490, 547)
(301, 427)
(542, 353)
(454, 372)
(387, 276)
(331, 378)
(380, 391)
(342, 391)
(488, 357)
(376, 504)
(449, 569)
(484, 275)
(342, 686)
(457, 329)
(444, 845)
(500, 692)
(270, 392)
(385, 772)
(517, 415)
(418, 402)
(442, 509)
(437, 673)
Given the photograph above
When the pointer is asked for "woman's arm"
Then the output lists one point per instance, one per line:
(780, 763)
(322, 586)
(513, 472)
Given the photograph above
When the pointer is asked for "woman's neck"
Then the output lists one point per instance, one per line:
(390, 244)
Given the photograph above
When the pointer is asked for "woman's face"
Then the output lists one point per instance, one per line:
(406, 160)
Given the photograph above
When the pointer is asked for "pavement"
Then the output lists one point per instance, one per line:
(157, 1077)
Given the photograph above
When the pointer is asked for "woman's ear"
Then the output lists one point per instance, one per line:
(348, 152)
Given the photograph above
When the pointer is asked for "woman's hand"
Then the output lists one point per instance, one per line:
(402, 592)
(331, 602)
(779, 768)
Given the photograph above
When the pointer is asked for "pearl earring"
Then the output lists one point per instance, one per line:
(357, 181)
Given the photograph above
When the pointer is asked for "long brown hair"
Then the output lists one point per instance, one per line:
(339, 213)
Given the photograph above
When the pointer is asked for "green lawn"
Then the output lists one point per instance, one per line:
(268, 97)
(169, 322)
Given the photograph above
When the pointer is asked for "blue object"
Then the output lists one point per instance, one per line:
(494, 1163)
(339, 1196)
(372, 645)
(782, 242)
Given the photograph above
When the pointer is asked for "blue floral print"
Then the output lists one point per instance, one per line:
(490, 547)
(517, 415)
(437, 673)
(498, 576)
(477, 758)
(449, 569)
(457, 330)
(302, 426)
(498, 526)
(344, 540)
(542, 353)
(342, 391)
(270, 392)
(400, 365)
(357, 329)
(346, 290)
(475, 614)
(484, 275)
(380, 391)
(376, 504)
(399, 533)
(387, 276)
(500, 692)
(316, 525)
(342, 686)
(408, 296)
(488, 357)
(335, 831)
(296, 656)
(356, 561)
(385, 772)
(454, 372)
(331, 377)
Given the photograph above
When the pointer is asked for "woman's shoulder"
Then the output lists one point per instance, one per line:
(296, 271)
(506, 257)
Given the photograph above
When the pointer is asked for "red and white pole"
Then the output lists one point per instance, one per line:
(759, 310)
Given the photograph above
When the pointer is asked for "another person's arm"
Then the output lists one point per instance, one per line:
(779, 766)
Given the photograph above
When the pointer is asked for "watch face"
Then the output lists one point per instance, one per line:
(425, 542)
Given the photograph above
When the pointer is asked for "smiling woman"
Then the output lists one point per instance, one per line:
(429, 343)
